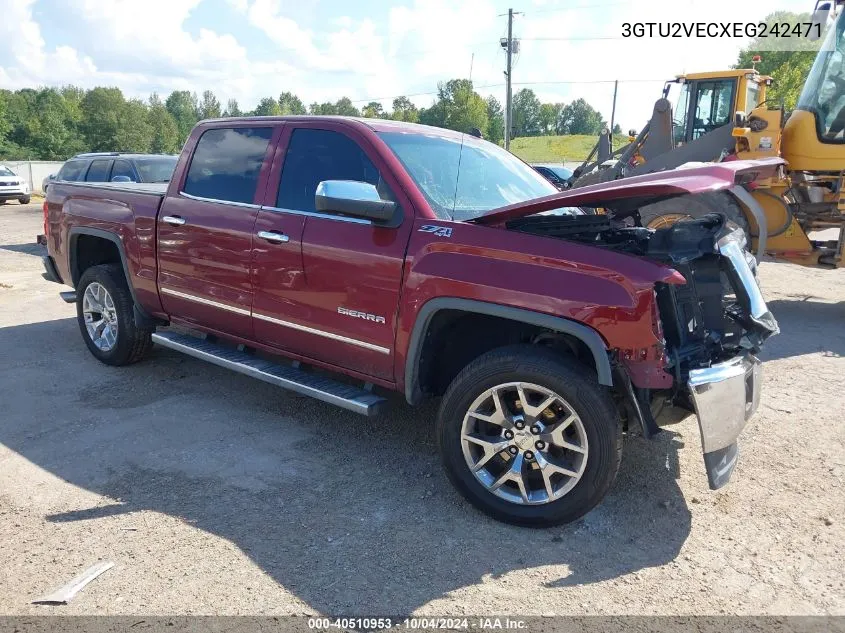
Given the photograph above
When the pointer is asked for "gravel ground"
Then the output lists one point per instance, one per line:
(216, 494)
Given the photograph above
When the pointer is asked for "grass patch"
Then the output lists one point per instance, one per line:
(559, 149)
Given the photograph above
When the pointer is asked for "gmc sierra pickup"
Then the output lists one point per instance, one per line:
(376, 254)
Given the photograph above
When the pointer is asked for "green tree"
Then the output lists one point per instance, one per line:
(322, 108)
(53, 132)
(495, 120)
(291, 104)
(548, 117)
(373, 110)
(101, 112)
(133, 133)
(617, 129)
(579, 117)
(232, 108)
(268, 107)
(458, 107)
(405, 110)
(788, 68)
(344, 107)
(184, 109)
(209, 106)
(165, 133)
(526, 113)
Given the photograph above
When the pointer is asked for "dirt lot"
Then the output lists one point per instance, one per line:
(216, 494)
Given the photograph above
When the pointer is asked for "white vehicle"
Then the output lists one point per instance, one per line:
(12, 186)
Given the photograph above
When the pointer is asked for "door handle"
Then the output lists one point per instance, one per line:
(273, 236)
(173, 220)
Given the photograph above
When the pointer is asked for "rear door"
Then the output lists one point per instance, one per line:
(205, 232)
(342, 308)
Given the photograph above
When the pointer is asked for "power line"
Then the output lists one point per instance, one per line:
(576, 7)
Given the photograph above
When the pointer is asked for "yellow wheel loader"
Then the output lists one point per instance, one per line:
(726, 116)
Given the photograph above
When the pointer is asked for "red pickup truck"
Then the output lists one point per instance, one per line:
(337, 257)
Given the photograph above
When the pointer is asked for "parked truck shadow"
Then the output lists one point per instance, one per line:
(352, 515)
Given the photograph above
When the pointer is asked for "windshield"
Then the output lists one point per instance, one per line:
(561, 172)
(824, 91)
(158, 169)
(5, 171)
(462, 184)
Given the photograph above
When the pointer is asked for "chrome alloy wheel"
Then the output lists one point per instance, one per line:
(524, 443)
(100, 316)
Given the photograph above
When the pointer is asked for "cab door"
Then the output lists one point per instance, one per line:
(342, 307)
(205, 232)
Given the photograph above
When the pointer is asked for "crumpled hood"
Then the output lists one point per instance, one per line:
(627, 195)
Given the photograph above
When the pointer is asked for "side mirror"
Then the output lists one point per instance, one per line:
(350, 197)
(121, 179)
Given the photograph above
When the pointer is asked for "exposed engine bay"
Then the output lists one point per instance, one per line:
(705, 321)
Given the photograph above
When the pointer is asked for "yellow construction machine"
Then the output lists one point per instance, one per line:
(726, 116)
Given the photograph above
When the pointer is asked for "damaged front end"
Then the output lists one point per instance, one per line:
(712, 326)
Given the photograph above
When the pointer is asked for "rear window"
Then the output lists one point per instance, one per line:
(226, 164)
(99, 171)
(72, 170)
(158, 169)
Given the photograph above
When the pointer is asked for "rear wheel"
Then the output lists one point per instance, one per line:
(529, 437)
(104, 309)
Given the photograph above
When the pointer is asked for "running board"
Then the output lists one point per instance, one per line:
(286, 376)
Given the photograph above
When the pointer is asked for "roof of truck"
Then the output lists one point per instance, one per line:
(377, 125)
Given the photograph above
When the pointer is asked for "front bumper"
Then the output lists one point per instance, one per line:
(12, 193)
(725, 397)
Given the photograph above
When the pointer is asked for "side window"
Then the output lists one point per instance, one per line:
(98, 171)
(712, 106)
(72, 170)
(316, 155)
(226, 164)
(679, 114)
(123, 168)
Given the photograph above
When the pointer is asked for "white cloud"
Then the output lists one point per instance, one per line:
(400, 49)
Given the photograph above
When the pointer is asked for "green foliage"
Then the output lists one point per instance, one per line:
(405, 110)
(56, 123)
(232, 108)
(184, 108)
(495, 120)
(268, 107)
(526, 113)
(788, 68)
(209, 106)
(579, 117)
(290, 104)
(373, 110)
(165, 133)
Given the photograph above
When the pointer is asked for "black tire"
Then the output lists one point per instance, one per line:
(2, 202)
(696, 206)
(133, 343)
(572, 381)
(24, 200)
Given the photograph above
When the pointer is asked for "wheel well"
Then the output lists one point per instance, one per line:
(455, 338)
(91, 250)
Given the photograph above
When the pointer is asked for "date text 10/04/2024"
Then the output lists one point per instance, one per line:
(421, 623)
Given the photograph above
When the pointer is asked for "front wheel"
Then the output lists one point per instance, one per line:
(529, 436)
(104, 309)
(24, 200)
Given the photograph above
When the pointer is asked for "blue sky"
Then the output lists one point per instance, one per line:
(325, 49)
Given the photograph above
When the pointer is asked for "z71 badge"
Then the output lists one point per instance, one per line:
(439, 231)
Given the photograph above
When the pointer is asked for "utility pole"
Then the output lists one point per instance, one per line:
(613, 113)
(508, 109)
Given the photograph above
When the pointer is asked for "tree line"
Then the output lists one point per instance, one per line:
(56, 123)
